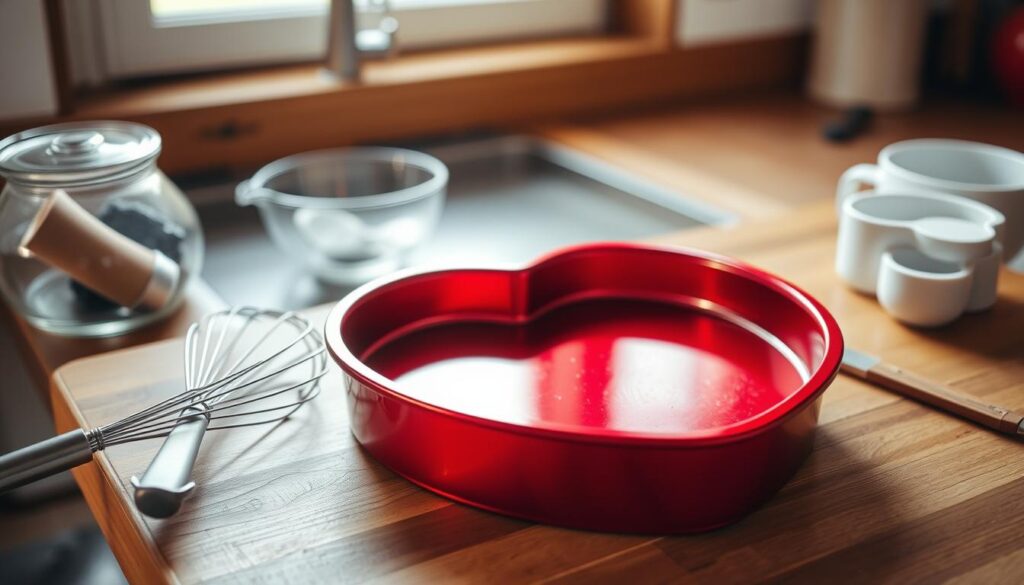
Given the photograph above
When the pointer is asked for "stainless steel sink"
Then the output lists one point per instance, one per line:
(510, 199)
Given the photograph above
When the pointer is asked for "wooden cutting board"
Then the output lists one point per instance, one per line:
(893, 489)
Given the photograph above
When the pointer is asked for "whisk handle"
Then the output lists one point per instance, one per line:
(168, 479)
(44, 458)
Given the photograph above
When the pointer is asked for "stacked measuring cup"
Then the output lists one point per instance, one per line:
(929, 239)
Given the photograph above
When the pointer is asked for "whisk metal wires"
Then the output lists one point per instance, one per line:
(220, 389)
(243, 367)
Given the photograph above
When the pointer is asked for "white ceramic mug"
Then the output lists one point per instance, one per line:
(989, 174)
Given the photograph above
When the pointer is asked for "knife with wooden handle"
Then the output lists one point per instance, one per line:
(890, 377)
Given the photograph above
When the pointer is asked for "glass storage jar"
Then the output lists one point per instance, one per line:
(109, 169)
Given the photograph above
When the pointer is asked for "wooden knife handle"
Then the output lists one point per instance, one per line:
(944, 397)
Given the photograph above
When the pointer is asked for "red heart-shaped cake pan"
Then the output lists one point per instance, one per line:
(613, 387)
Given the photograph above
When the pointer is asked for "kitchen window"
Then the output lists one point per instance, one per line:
(117, 39)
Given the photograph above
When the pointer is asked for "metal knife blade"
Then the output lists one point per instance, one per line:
(858, 363)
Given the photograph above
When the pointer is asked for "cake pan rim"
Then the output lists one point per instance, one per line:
(820, 378)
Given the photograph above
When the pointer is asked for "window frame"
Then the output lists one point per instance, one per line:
(131, 44)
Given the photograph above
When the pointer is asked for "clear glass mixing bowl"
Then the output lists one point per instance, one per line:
(349, 214)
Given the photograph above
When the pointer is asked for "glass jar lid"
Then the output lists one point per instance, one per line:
(77, 153)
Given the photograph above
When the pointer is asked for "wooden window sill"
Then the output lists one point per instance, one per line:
(246, 119)
(296, 81)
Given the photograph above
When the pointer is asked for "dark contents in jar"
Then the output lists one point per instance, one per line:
(146, 226)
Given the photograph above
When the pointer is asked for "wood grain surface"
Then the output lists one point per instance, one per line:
(761, 153)
(892, 491)
(246, 119)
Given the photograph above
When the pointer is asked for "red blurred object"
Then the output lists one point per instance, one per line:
(611, 387)
(1008, 56)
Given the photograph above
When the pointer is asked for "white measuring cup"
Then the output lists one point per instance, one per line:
(927, 257)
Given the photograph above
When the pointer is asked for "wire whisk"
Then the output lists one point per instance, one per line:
(244, 366)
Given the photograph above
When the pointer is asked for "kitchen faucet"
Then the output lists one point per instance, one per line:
(347, 46)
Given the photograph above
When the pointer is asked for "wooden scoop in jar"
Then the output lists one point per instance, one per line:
(72, 240)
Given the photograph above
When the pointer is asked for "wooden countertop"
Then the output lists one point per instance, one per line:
(892, 486)
(892, 489)
(757, 156)
(763, 155)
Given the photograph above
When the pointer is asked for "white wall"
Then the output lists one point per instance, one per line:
(704, 22)
(26, 76)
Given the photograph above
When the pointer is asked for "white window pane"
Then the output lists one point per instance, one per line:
(191, 8)
(173, 9)
(164, 36)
